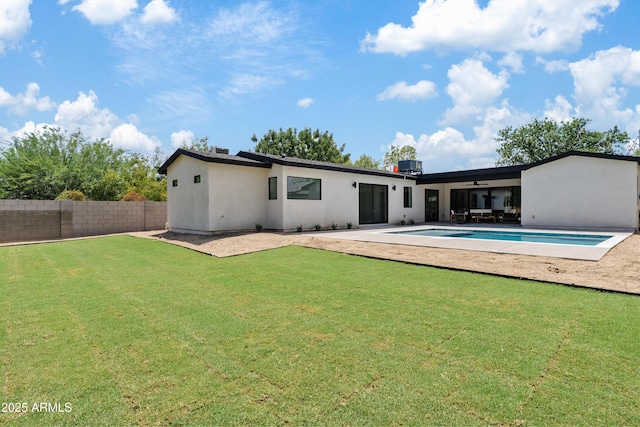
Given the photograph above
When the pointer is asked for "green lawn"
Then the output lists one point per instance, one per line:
(131, 331)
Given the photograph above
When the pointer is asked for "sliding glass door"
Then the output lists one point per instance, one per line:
(373, 203)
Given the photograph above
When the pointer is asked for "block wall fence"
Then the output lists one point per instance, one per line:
(24, 220)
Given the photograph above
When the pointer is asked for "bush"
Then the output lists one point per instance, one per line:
(299, 228)
(75, 195)
(334, 226)
(258, 227)
(133, 196)
(317, 227)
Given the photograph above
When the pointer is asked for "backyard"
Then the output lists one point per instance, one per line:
(121, 331)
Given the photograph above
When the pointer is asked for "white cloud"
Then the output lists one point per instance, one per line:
(22, 103)
(15, 22)
(471, 88)
(448, 149)
(83, 113)
(503, 25)
(553, 66)
(601, 84)
(422, 90)
(128, 137)
(105, 12)
(513, 61)
(243, 83)
(177, 138)
(305, 102)
(158, 12)
(258, 22)
(560, 110)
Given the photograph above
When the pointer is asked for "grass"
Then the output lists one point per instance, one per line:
(130, 331)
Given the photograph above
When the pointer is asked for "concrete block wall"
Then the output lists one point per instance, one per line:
(22, 220)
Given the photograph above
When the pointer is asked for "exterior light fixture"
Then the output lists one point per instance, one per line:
(393, 187)
(355, 184)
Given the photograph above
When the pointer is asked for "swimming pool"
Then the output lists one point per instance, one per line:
(515, 236)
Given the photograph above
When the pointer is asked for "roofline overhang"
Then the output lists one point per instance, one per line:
(231, 160)
(283, 161)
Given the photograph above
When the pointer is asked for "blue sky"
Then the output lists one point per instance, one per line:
(442, 75)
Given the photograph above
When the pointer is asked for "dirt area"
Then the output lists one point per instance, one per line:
(619, 270)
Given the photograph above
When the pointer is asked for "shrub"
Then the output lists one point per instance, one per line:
(317, 227)
(133, 196)
(411, 221)
(258, 227)
(349, 225)
(334, 225)
(74, 195)
(299, 228)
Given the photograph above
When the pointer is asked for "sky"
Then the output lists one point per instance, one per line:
(441, 75)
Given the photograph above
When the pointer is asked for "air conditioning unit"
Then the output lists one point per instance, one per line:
(410, 166)
(219, 150)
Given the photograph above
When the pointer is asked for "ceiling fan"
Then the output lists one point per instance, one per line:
(476, 184)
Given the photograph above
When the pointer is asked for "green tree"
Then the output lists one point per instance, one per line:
(197, 144)
(545, 138)
(396, 153)
(366, 161)
(306, 144)
(141, 175)
(41, 165)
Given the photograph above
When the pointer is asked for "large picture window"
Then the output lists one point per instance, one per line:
(303, 188)
(273, 188)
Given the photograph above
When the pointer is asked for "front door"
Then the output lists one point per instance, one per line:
(373, 203)
(431, 205)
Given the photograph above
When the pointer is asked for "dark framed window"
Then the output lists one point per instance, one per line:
(304, 188)
(408, 199)
(174, 183)
(273, 188)
(196, 179)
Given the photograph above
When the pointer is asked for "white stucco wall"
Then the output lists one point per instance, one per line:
(188, 203)
(579, 191)
(340, 200)
(237, 197)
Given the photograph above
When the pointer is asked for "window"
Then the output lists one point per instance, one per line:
(303, 188)
(273, 188)
(174, 183)
(408, 201)
(196, 179)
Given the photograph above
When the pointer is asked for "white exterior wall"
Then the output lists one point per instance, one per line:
(237, 197)
(339, 202)
(188, 203)
(579, 191)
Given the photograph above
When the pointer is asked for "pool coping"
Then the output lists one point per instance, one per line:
(385, 234)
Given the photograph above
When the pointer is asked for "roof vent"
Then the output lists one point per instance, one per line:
(219, 150)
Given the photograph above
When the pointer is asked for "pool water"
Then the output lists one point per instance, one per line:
(516, 236)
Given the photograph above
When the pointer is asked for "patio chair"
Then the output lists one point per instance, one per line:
(459, 218)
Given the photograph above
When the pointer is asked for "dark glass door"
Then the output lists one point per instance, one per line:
(373, 204)
(431, 205)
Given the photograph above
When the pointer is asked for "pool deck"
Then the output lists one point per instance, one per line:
(385, 234)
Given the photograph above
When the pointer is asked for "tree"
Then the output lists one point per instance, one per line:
(396, 153)
(307, 144)
(141, 175)
(42, 165)
(545, 138)
(366, 161)
(198, 144)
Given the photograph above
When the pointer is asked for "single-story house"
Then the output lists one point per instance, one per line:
(215, 191)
